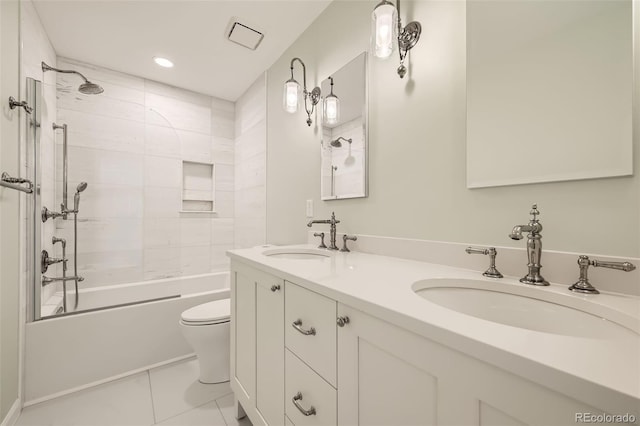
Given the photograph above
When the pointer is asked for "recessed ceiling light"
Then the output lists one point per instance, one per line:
(163, 62)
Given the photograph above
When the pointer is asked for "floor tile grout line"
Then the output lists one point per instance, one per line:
(153, 406)
(220, 410)
(195, 407)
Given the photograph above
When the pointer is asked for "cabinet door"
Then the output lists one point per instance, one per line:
(243, 332)
(270, 348)
(379, 380)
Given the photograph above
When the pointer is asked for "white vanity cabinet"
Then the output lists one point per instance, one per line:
(390, 376)
(257, 344)
(367, 371)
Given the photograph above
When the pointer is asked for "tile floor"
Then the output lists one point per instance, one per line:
(170, 395)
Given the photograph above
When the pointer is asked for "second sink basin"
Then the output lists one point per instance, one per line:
(528, 308)
(297, 253)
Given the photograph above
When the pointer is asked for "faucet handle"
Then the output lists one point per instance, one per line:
(534, 212)
(321, 235)
(491, 272)
(583, 285)
(346, 237)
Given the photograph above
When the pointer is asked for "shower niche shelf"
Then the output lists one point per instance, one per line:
(198, 187)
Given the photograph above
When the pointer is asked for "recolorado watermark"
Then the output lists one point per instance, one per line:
(604, 418)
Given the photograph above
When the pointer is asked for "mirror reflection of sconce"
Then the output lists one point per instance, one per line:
(331, 107)
(291, 95)
(387, 29)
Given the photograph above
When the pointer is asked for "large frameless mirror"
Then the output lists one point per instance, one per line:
(344, 132)
(549, 91)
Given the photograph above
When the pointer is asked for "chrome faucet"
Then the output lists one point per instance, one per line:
(534, 247)
(332, 231)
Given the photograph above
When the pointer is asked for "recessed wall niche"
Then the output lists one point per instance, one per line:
(198, 187)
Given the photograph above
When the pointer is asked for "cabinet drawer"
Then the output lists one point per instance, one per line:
(313, 394)
(310, 329)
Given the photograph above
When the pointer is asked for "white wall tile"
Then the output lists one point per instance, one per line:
(223, 150)
(162, 202)
(222, 231)
(161, 262)
(102, 166)
(161, 141)
(178, 114)
(104, 201)
(225, 176)
(162, 172)
(100, 132)
(219, 258)
(195, 231)
(195, 146)
(161, 232)
(224, 204)
(195, 260)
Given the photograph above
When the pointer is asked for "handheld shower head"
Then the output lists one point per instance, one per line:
(76, 198)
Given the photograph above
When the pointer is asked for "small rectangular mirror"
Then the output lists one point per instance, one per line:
(549, 91)
(344, 134)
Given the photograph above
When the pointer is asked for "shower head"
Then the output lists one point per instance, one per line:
(337, 144)
(81, 187)
(88, 88)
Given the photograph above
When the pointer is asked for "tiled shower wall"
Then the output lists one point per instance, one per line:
(250, 164)
(128, 144)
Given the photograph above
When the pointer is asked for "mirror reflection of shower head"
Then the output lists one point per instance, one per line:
(88, 88)
(337, 144)
(76, 198)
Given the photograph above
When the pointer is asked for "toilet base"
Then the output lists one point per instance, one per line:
(211, 345)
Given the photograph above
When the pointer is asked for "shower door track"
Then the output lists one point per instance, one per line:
(104, 308)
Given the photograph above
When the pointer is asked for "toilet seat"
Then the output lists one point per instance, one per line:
(216, 312)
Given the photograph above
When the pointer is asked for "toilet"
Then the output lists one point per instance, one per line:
(206, 329)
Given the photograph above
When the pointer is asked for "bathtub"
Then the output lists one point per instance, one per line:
(97, 344)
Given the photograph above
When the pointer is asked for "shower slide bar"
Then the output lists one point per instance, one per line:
(16, 183)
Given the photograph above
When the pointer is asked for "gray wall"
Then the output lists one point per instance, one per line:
(9, 209)
(417, 179)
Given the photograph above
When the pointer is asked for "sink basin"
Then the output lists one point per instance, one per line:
(518, 306)
(297, 253)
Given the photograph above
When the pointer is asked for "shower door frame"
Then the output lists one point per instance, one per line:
(34, 221)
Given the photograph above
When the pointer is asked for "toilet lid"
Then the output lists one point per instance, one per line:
(211, 312)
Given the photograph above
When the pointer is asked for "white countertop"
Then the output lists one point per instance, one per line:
(587, 368)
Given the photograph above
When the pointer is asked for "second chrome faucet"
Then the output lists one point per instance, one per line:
(534, 247)
(332, 230)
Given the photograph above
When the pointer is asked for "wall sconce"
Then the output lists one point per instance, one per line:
(291, 95)
(331, 107)
(387, 29)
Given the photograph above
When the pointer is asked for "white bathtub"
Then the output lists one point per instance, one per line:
(71, 352)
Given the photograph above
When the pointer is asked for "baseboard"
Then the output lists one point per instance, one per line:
(103, 381)
(12, 416)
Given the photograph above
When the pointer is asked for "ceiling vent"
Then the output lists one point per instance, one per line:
(244, 35)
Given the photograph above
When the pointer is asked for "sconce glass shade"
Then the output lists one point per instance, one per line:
(331, 109)
(384, 30)
(291, 96)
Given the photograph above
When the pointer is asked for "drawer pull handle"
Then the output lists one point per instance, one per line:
(298, 397)
(297, 324)
(275, 287)
(342, 321)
